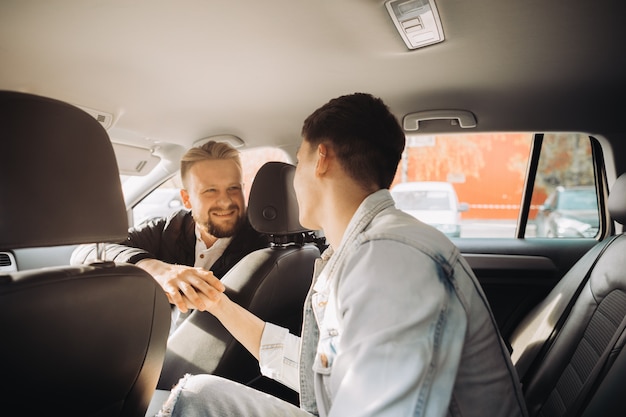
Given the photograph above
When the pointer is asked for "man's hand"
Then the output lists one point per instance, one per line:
(185, 286)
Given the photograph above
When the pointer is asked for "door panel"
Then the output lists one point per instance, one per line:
(516, 274)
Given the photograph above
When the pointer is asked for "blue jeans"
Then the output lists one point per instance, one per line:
(210, 395)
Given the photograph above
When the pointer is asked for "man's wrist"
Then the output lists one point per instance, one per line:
(135, 259)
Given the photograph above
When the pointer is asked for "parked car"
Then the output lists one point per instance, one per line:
(503, 99)
(432, 202)
(569, 212)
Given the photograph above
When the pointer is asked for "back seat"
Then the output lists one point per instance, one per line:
(570, 343)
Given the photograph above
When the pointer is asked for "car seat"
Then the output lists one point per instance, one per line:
(272, 283)
(83, 340)
(569, 350)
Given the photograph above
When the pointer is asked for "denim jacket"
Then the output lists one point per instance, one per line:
(395, 324)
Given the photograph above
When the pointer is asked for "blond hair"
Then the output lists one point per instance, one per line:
(210, 150)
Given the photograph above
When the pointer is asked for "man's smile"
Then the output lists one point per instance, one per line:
(222, 214)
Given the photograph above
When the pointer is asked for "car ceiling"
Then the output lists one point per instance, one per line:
(179, 71)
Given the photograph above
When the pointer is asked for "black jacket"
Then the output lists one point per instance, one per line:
(173, 240)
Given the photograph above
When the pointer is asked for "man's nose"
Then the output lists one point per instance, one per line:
(224, 198)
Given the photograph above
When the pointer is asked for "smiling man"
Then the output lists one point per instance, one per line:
(185, 250)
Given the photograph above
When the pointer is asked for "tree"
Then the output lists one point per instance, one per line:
(565, 161)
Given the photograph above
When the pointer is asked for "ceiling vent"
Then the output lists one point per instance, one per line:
(417, 21)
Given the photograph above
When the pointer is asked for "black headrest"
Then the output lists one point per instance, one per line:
(59, 181)
(617, 200)
(272, 207)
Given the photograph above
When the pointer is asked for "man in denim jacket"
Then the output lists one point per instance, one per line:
(395, 322)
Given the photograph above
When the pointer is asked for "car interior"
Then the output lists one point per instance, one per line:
(507, 101)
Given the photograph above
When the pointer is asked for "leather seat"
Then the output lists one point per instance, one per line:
(272, 283)
(83, 340)
(568, 350)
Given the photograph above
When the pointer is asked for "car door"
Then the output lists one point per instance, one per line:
(505, 178)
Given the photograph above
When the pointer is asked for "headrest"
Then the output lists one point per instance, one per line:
(272, 206)
(617, 200)
(59, 181)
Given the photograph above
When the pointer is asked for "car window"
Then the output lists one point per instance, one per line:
(565, 197)
(165, 199)
(487, 174)
(159, 203)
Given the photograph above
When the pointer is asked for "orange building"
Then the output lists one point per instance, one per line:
(493, 190)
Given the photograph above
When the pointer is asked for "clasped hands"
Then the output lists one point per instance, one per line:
(186, 287)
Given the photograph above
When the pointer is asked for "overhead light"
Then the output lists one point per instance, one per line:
(417, 21)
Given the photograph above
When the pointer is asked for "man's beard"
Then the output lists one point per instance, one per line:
(221, 230)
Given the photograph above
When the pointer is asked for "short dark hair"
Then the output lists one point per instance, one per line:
(364, 134)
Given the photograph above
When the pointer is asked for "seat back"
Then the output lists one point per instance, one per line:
(272, 283)
(84, 340)
(568, 343)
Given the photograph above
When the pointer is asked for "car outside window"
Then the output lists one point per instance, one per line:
(487, 174)
(433, 202)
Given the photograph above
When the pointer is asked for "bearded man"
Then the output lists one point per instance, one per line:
(183, 251)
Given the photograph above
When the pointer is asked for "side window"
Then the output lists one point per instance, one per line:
(165, 199)
(161, 202)
(564, 200)
(485, 172)
(485, 176)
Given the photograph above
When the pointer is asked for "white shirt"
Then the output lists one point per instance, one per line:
(205, 258)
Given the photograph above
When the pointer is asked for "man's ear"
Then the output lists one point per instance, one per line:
(322, 159)
(184, 195)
